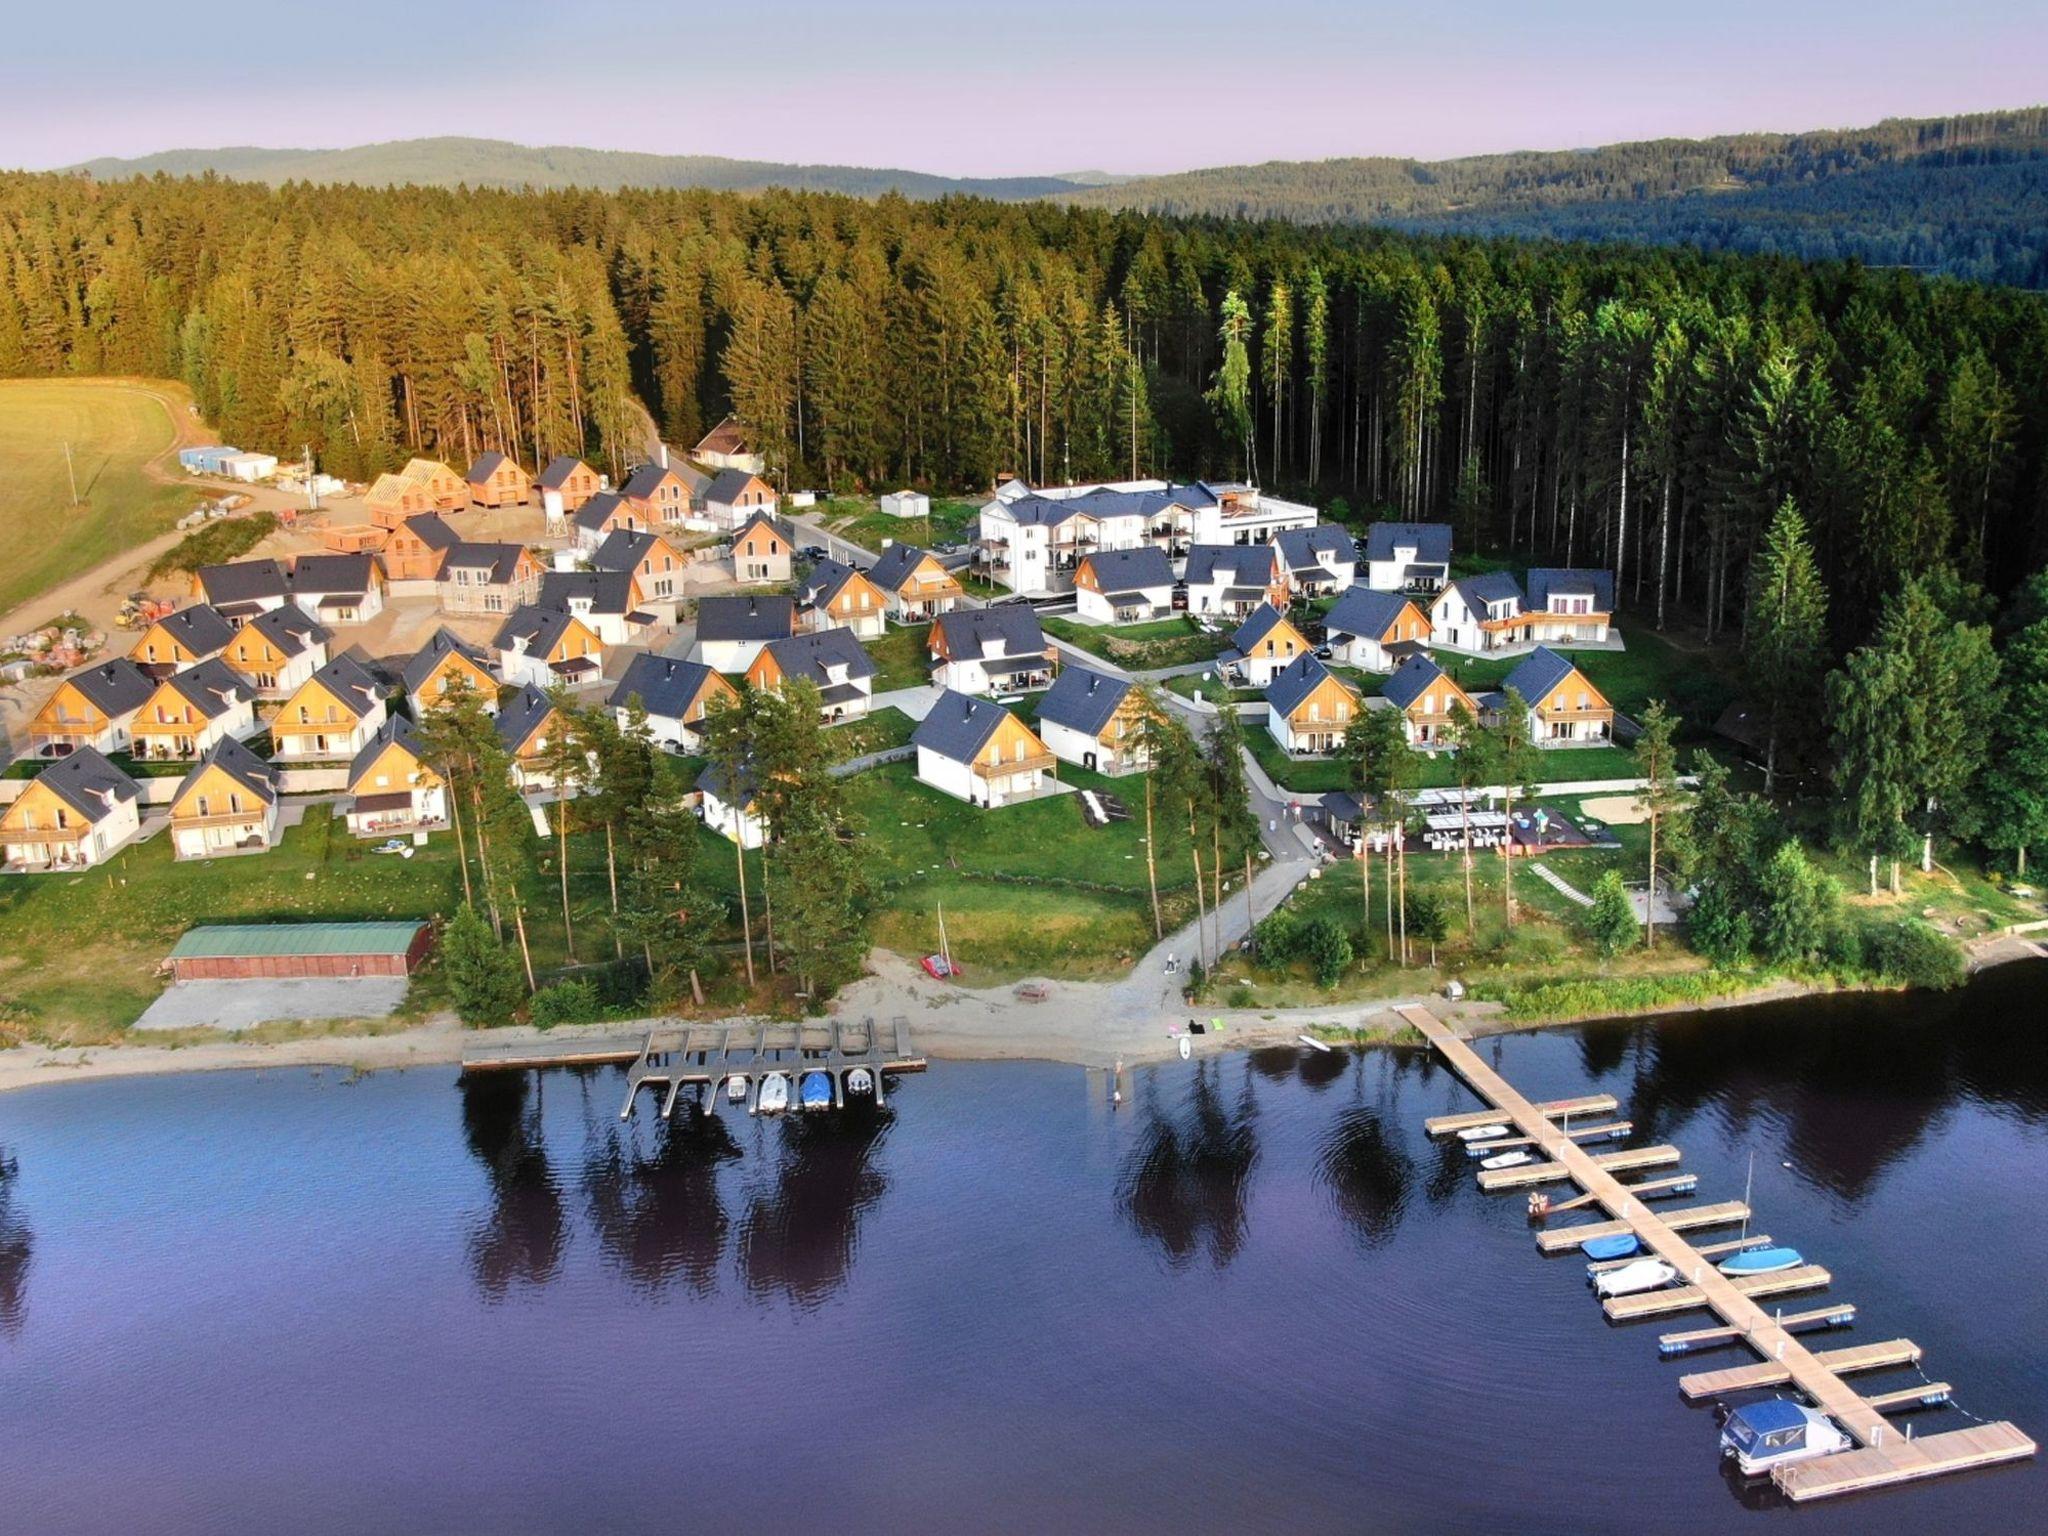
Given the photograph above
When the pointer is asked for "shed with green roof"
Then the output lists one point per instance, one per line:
(248, 951)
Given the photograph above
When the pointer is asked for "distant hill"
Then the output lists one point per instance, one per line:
(447, 162)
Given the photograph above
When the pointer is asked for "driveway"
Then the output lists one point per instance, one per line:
(245, 1004)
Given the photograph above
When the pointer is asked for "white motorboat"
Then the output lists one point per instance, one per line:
(1761, 1436)
(774, 1093)
(1513, 1159)
(1643, 1275)
(1482, 1132)
(860, 1081)
(736, 1088)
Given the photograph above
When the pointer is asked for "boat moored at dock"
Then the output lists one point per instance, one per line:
(1767, 1435)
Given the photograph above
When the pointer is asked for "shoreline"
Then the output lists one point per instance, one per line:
(1130, 1024)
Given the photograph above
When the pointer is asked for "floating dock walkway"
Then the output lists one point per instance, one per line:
(706, 1055)
(1884, 1456)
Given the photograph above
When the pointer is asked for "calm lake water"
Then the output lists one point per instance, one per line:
(1255, 1298)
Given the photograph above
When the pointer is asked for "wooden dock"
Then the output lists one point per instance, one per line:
(1840, 1315)
(1752, 1378)
(1471, 1120)
(1606, 1130)
(1635, 1158)
(1724, 1213)
(702, 1056)
(1884, 1456)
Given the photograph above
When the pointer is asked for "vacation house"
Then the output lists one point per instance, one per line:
(977, 751)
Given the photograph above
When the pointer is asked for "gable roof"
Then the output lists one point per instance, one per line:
(824, 582)
(1130, 570)
(486, 465)
(243, 581)
(728, 483)
(88, 783)
(1327, 545)
(644, 481)
(780, 527)
(1263, 621)
(1430, 541)
(1300, 678)
(1083, 700)
(499, 562)
(116, 687)
(1565, 580)
(238, 763)
(1363, 611)
(1235, 565)
(521, 715)
(623, 549)
(664, 685)
(1540, 671)
(209, 686)
(1410, 680)
(539, 627)
(331, 573)
(559, 469)
(959, 726)
(395, 730)
(606, 592)
(727, 437)
(200, 628)
(745, 618)
(1492, 587)
(443, 643)
(350, 682)
(1014, 626)
(592, 513)
(430, 529)
(290, 629)
(893, 569)
(811, 656)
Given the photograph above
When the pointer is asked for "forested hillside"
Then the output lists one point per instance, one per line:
(1645, 409)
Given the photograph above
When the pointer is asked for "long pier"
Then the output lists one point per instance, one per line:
(1884, 1457)
(706, 1055)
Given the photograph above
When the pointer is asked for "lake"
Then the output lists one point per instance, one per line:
(1253, 1298)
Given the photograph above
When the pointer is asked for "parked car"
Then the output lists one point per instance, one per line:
(813, 552)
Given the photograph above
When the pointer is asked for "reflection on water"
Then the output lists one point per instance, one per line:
(1184, 1183)
(16, 1248)
(1368, 1176)
(799, 1238)
(657, 1215)
(520, 1241)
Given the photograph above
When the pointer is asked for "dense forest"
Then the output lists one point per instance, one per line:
(1643, 409)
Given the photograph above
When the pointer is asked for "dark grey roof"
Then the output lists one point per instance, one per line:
(664, 685)
(116, 687)
(727, 484)
(691, 476)
(642, 483)
(1540, 671)
(894, 568)
(559, 469)
(499, 562)
(713, 782)
(824, 581)
(521, 715)
(605, 592)
(1492, 587)
(239, 764)
(812, 656)
(959, 726)
(1410, 679)
(1013, 626)
(243, 581)
(781, 527)
(1362, 611)
(200, 629)
(1238, 565)
(290, 629)
(1083, 700)
(432, 531)
(1257, 627)
(1105, 502)
(210, 686)
(350, 681)
(1598, 585)
(396, 728)
(1130, 570)
(88, 783)
(1430, 541)
(592, 513)
(1327, 545)
(623, 549)
(331, 573)
(439, 646)
(486, 465)
(1341, 805)
(1295, 683)
(539, 627)
(745, 618)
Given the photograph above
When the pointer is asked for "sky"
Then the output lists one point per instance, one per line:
(967, 88)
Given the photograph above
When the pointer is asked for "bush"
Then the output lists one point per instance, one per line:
(215, 543)
(1611, 921)
(483, 975)
(566, 1002)
(1912, 954)
(1327, 948)
(1717, 928)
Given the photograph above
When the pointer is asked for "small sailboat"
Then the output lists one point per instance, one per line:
(1643, 1275)
(1187, 1047)
(1602, 1249)
(774, 1094)
(1513, 1159)
(815, 1091)
(1761, 1436)
(860, 1081)
(1761, 1261)
(1482, 1132)
(736, 1088)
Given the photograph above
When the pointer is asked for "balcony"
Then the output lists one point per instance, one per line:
(1038, 761)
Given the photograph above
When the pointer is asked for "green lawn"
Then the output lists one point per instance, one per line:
(903, 658)
(1188, 684)
(1173, 642)
(114, 431)
(861, 520)
(1439, 770)
(1696, 683)
(879, 732)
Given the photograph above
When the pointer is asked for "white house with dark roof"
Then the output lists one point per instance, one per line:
(1375, 631)
(976, 750)
(831, 660)
(655, 565)
(241, 589)
(674, 697)
(606, 601)
(74, 814)
(1263, 647)
(1569, 607)
(915, 587)
(1408, 557)
(330, 715)
(833, 595)
(1478, 615)
(539, 647)
(193, 709)
(227, 804)
(1565, 709)
(732, 630)
(734, 495)
(763, 546)
(729, 807)
(1123, 586)
(490, 578)
(1231, 580)
(1318, 560)
(180, 639)
(1000, 649)
(338, 589)
(1094, 721)
(278, 650)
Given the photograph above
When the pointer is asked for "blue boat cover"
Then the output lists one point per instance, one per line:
(817, 1088)
(1769, 1417)
(1760, 1258)
(1609, 1247)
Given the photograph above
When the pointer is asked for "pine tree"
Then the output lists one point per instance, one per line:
(1785, 639)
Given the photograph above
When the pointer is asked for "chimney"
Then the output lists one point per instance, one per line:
(661, 454)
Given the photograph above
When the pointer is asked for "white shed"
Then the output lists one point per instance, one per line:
(250, 466)
(907, 504)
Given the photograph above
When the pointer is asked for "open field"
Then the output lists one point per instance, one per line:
(1316, 776)
(1696, 684)
(117, 433)
(903, 658)
(1174, 642)
(860, 520)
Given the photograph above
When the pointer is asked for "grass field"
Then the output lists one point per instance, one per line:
(1696, 684)
(1564, 766)
(1174, 642)
(903, 658)
(860, 519)
(114, 430)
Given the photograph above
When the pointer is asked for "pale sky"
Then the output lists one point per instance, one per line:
(966, 88)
